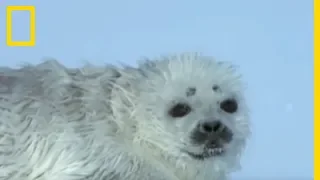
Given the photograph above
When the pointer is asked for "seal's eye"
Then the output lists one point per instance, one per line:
(179, 110)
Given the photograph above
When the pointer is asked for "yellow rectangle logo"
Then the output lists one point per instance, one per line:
(32, 40)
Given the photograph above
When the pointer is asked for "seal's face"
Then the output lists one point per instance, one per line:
(197, 107)
(211, 135)
(210, 124)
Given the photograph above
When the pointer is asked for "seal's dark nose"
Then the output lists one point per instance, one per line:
(210, 127)
(212, 130)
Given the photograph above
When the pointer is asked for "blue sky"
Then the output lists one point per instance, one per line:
(271, 41)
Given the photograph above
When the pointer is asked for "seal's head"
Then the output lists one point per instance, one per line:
(192, 108)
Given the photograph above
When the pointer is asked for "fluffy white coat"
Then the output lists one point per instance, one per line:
(111, 123)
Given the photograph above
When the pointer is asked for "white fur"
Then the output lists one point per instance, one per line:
(111, 123)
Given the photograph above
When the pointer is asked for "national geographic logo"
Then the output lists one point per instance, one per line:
(32, 39)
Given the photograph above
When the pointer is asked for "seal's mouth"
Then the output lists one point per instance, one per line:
(211, 149)
(207, 154)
